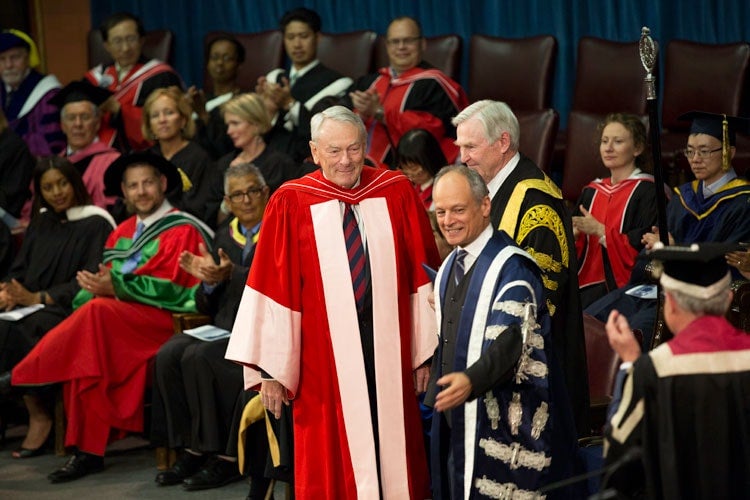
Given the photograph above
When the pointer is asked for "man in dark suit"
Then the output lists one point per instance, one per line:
(291, 95)
(195, 387)
(528, 206)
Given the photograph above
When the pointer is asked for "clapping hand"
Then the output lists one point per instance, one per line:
(99, 283)
(587, 223)
(204, 267)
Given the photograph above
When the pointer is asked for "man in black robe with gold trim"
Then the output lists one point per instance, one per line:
(528, 206)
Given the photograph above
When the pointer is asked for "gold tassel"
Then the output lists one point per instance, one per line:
(725, 144)
(186, 184)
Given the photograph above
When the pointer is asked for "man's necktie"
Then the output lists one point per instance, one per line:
(458, 266)
(356, 252)
(250, 240)
(132, 262)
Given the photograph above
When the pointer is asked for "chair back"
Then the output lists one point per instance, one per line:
(264, 51)
(538, 132)
(609, 78)
(704, 77)
(351, 54)
(442, 51)
(582, 159)
(518, 72)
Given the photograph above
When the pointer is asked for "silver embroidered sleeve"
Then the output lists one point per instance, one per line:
(539, 420)
(504, 491)
(515, 413)
(514, 455)
(493, 409)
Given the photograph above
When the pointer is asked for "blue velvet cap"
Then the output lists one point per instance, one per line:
(711, 124)
(10, 40)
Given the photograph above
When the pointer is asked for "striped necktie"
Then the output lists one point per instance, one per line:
(458, 266)
(356, 253)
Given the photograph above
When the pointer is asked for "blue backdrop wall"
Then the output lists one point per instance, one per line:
(707, 21)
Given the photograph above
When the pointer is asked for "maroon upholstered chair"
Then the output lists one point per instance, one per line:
(582, 159)
(157, 44)
(703, 77)
(609, 78)
(538, 131)
(518, 72)
(351, 54)
(264, 51)
(443, 52)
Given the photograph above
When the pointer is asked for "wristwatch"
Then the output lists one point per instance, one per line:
(379, 114)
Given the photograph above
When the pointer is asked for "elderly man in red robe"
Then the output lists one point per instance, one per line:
(335, 317)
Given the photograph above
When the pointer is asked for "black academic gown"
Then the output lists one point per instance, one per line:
(53, 251)
(543, 228)
(276, 167)
(296, 142)
(16, 167)
(195, 388)
(197, 165)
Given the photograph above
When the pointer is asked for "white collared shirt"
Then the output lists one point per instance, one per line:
(713, 188)
(475, 248)
(160, 212)
(494, 185)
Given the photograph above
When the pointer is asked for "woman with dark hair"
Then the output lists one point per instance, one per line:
(223, 57)
(167, 120)
(420, 158)
(66, 235)
(614, 213)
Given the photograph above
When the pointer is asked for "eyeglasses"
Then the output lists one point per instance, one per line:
(252, 194)
(395, 42)
(700, 153)
(129, 40)
(72, 118)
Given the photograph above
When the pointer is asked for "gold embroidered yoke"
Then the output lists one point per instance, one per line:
(539, 230)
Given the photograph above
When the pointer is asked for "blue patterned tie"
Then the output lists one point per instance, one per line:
(132, 262)
(249, 244)
(458, 266)
(356, 253)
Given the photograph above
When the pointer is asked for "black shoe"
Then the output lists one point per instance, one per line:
(77, 466)
(215, 473)
(186, 465)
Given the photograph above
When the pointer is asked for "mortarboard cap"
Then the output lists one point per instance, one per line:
(699, 270)
(10, 39)
(80, 90)
(722, 127)
(113, 174)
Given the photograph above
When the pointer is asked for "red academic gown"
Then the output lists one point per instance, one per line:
(421, 97)
(100, 352)
(297, 321)
(131, 92)
(92, 161)
(627, 210)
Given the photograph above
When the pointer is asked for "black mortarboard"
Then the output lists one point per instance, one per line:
(712, 124)
(699, 270)
(80, 90)
(722, 127)
(113, 174)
